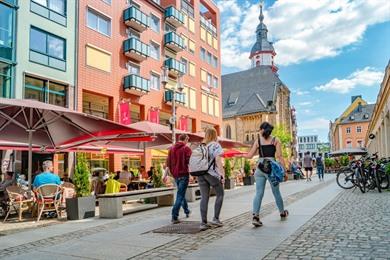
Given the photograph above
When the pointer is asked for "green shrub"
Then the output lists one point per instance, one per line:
(329, 162)
(81, 176)
(228, 169)
(344, 160)
(157, 177)
(247, 168)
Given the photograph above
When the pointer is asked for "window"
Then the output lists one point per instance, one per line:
(192, 69)
(47, 49)
(155, 81)
(358, 129)
(191, 46)
(348, 130)
(192, 98)
(133, 34)
(45, 91)
(203, 34)
(187, 8)
(133, 68)
(209, 79)
(204, 103)
(154, 51)
(169, 28)
(215, 43)
(5, 80)
(107, 2)
(203, 75)
(349, 144)
(210, 105)
(98, 22)
(6, 31)
(185, 38)
(216, 107)
(315, 139)
(54, 10)
(185, 62)
(209, 57)
(98, 58)
(202, 54)
(360, 143)
(191, 25)
(155, 23)
(215, 62)
(215, 82)
(301, 146)
(228, 132)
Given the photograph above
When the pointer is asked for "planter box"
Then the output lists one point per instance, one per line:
(230, 184)
(250, 180)
(80, 208)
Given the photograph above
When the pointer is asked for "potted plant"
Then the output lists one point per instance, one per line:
(229, 181)
(157, 177)
(249, 179)
(83, 205)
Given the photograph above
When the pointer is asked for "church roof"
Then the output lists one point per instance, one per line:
(249, 91)
(262, 43)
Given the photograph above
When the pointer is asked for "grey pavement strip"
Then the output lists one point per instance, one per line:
(352, 226)
(187, 243)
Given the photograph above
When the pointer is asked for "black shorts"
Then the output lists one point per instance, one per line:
(309, 169)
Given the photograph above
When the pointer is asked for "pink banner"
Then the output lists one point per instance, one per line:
(154, 115)
(124, 113)
(183, 123)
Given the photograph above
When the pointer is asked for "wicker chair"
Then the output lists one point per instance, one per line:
(48, 198)
(18, 201)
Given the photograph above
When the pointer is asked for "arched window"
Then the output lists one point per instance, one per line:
(228, 132)
(253, 137)
(257, 63)
(247, 138)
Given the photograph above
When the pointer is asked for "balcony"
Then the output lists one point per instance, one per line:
(208, 25)
(174, 42)
(135, 49)
(179, 97)
(175, 67)
(136, 85)
(174, 16)
(136, 19)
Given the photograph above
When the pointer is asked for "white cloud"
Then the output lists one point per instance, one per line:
(302, 30)
(300, 92)
(314, 124)
(364, 77)
(305, 103)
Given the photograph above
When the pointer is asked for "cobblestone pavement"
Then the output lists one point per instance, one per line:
(352, 226)
(185, 244)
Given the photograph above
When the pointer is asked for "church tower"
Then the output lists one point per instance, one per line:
(262, 53)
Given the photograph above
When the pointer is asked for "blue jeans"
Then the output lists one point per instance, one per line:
(261, 179)
(320, 172)
(182, 184)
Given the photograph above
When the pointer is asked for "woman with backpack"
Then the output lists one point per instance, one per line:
(213, 178)
(269, 149)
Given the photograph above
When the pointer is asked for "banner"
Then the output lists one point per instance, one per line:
(183, 123)
(124, 113)
(154, 115)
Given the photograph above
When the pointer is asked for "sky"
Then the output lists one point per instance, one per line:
(327, 51)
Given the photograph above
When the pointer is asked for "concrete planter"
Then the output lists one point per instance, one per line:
(249, 180)
(80, 208)
(230, 184)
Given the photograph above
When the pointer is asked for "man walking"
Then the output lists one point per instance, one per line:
(177, 162)
(320, 167)
(308, 165)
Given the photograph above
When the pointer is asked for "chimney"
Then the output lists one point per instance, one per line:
(353, 98)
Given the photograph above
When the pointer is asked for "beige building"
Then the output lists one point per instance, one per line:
(380, 123)
(256, 95)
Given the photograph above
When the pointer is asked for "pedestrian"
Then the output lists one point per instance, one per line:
(213, 178)
(320, 167)
(177, 163)
(308, 165)
(268, 148)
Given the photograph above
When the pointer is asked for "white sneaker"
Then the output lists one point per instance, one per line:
(204, 227)
(216, 223)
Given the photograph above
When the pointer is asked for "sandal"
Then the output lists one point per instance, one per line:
(284, 214)
(256, 221)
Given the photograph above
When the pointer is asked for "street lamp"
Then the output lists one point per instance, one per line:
(177, 89)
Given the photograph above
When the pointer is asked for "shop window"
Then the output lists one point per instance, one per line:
(45, 91)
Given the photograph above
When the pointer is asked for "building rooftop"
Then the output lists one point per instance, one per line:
(250, 91)
(362, 113)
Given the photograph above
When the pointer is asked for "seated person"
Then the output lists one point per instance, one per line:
(7, 181)
(125, 174)
(117, 175)
(47, 176)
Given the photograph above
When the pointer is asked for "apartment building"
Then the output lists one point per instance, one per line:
(122, 48)
(308, 143)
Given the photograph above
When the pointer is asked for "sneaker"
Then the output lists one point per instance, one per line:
(175, 221)
(284, 215)
(188, 214)
(203, 226)
(216, 222)
(256, 221)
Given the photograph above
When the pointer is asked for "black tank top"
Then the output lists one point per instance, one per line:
(268, 150)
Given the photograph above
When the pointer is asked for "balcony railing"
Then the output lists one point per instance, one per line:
(136, 49)
(179, 97)
(174, 66)
(136, 85)
(136, 19)
(173, 41)
(208, 25)
(174, 16)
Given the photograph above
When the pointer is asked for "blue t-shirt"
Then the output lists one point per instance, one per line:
(46, 178)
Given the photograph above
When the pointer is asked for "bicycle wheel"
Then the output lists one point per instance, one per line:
(384, 179)
(346, 179)
(377, 181)
(361, 181)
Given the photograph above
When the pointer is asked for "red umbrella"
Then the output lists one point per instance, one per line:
(232, 153)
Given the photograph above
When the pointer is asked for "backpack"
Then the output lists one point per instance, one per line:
(319, 161)
(200, 161)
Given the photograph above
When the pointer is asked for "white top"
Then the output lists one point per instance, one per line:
(215, 149)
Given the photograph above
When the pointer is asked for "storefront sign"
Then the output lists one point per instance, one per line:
(154, 115)
(124, 110)
(183, 123)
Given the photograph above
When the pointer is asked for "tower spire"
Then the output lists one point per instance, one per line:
(261, 16)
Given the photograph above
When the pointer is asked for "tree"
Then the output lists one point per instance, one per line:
(81, 176)
(157, 177)
(285, 139)
(228, 169)
(247, 168)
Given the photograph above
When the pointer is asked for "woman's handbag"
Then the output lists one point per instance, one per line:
(265, 166)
